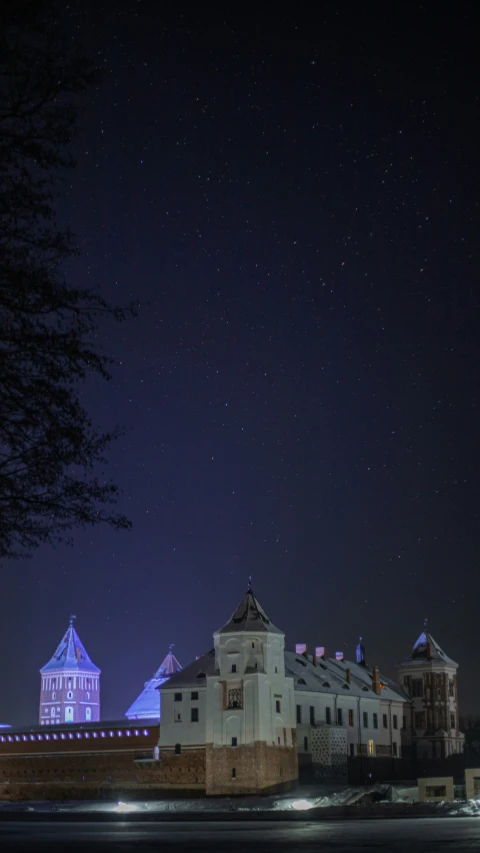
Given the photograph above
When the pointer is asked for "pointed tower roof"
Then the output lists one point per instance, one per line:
(147, 704)
(427, 649)
(249, 616)
(70, 654)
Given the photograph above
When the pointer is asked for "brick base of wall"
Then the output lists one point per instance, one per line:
(250, 769)
(57, 777)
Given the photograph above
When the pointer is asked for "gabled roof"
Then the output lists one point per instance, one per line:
(427, 649)
(249, 616)
(70, 655)
(147, 704)
(195, 674)
(329, 676)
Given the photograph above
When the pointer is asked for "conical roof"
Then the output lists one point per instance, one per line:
(426, 648)
(70, 654)
(249, 616)
(147, 704)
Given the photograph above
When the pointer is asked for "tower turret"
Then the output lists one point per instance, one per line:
(70, 686)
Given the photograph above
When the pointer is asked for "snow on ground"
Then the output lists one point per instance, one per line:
(304, 798)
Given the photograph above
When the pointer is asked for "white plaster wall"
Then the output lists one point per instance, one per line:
(185, 732)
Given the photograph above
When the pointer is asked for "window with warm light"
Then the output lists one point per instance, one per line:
(371, 747)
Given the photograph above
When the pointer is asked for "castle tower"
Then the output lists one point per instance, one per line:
(429, 677)
(250, 720)
(147, 704)
(70, 689)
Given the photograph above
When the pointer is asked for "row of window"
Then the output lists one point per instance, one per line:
(178, 697)
(80, 681)
(420, 720)
(415, 687)
(351, 717)
(72, 735)
(370, 748)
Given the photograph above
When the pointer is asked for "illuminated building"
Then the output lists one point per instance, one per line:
(147, 704)
(70, 687)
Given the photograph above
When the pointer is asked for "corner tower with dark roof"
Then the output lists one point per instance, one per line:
(70, 687)
(429, 676)
(250, 733)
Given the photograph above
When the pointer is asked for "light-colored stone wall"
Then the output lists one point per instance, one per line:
(436, 789)
(472, 783)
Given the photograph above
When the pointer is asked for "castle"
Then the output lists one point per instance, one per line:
(247, 715)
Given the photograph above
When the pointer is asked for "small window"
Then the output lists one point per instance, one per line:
(375, 721)
(234, 741)
(194, 715)
(395, 721)
(178, 697)
(371, 747)
(350, 717)
(385, 721)
(276, 669)
(305, 744)
(88, 714)
(69, 695)
(312, 715)
(87, 697)
(328, 716)
(234, 773)
(178, 749)
(301, 681)
(452, 721)
(435, 791)
(234, 667)
(253, 645)
(194, 696)
(404, 722)
(200, 675)
(54, 696)
(325, 684)
(339, 716)
(451, 689)
(299, 713)
(394, 747)
(365, 720)
(277, 706)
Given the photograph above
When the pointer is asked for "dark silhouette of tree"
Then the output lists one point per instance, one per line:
(50, 451)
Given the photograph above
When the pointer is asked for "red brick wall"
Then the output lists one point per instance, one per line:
(258, 768)
(83, 776)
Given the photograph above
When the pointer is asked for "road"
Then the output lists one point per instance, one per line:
(428, 835)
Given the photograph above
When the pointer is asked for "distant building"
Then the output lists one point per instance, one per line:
(147, 704)
(70, 687)
(429, 677)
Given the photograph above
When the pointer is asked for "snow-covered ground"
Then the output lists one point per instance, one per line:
(304, 799)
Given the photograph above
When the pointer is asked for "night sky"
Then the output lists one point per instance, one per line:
(293, 198)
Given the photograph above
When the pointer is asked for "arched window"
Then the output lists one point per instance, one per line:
(88, 696)
(178, 749)
(69, 714)
(54, 696)
(88, 714)
(52, 712)
(69, 695)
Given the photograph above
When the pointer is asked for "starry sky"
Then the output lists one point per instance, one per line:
(292, 195)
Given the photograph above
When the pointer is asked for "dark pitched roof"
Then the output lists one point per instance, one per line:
(249, 616)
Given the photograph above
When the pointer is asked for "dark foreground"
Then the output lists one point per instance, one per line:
(425, 835)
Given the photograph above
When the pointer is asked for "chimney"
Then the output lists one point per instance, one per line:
(320, 652)
(301, 649)
(338, 655)
(376, 681)
(347, 676)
